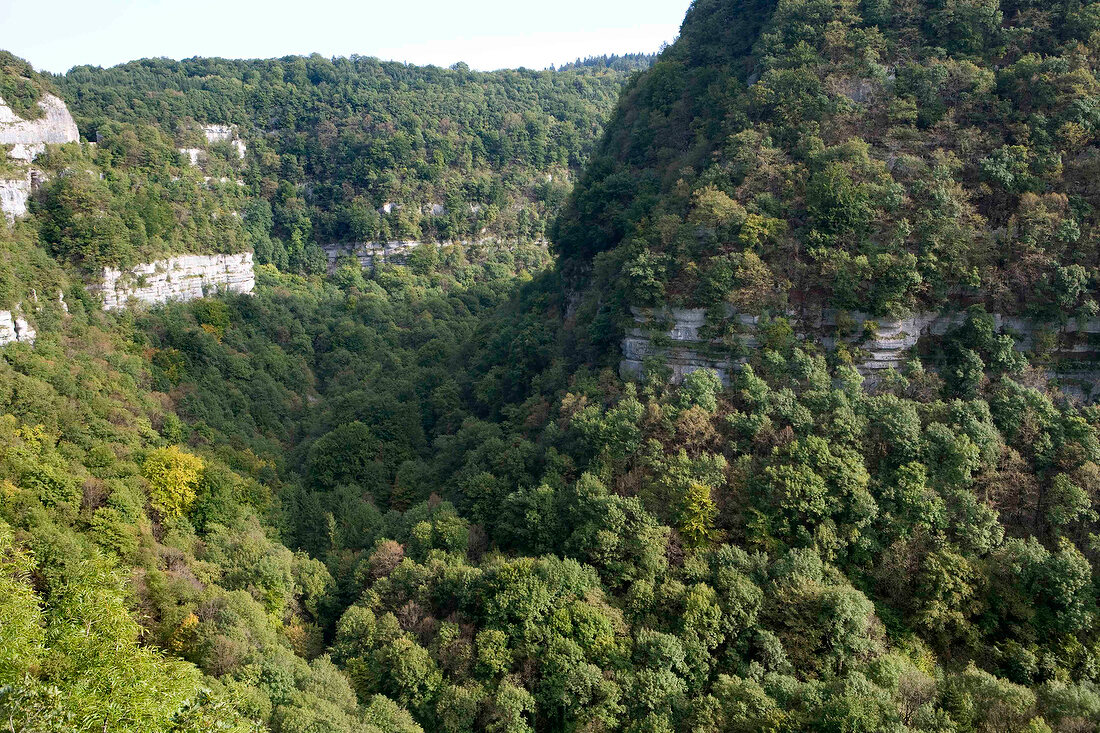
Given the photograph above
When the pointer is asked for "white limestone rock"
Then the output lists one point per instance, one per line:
(889, 346)
(395, 252)
(192, 155)
(369, 254)
(225, 133)
(182, 278)
(55, 126)
(26, 152)
(28, 140)
(217, 133)
(15, 329)
(14, 195)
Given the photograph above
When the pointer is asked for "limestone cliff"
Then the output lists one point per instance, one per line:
(179, 278)
(14, 194)
(676, 336)
(216, 134)
(28, 139)
(394, 252)
(369, 253)
(29, 136)
(15, 329)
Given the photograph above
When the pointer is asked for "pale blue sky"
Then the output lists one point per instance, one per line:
(56, 35)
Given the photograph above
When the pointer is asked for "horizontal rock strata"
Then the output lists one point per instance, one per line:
(887, 346)
(179, 278)
(369, 253)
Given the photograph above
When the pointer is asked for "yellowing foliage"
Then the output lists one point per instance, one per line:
(172, 475)
(185, 633)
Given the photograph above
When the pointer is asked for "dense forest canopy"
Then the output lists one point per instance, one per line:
(421, 498)
(619, 62)
(879, 156)
(456, 154)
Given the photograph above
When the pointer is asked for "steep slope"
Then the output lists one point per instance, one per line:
(879, 156)
(409, 498)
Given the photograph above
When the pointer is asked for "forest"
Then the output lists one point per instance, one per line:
(421, 497)
(356, 149)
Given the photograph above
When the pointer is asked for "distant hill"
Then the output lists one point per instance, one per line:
(615, 62)
(352, 149)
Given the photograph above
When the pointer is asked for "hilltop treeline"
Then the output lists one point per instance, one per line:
(333, 141)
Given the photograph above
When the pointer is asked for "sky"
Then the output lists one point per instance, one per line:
(486, 34)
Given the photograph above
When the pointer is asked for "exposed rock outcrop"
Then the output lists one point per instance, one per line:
(26, 152)
(55, 126)
(15, 329)
(179, 278)
(370, 253)
(192, 155)
(28, 139)
(215, 134)
(14, 194)
(883, 343)
(225, 133)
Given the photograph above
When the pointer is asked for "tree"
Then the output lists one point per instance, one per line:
(697, 514)
(700, 388)
(173, 477)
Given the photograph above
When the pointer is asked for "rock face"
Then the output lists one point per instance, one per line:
(883, 342)
(192, 155)
(14, 194)
(15, 329)
(26, 152)
(225, 133)
(215, 134)
(180, 278)
(55, 126)
(28, 139)
(369, 253)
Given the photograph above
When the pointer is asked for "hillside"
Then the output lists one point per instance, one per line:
(426, 496)
(21, 87)
(864, 156)
(354, 149)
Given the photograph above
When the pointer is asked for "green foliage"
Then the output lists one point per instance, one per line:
(419, 498)
(172, 476)
(21, 87)
(872, 158)
(445, 154)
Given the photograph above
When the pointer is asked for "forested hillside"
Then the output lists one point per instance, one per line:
(354, 149)
(20, 86)
(872, 156)
(422, 498)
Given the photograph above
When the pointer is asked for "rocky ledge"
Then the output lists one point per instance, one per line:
(179, 278)
(15, 329)
(55, 126)
(369, 253)
(673, 336)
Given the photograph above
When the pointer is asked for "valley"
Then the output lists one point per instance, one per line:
(747, 386)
